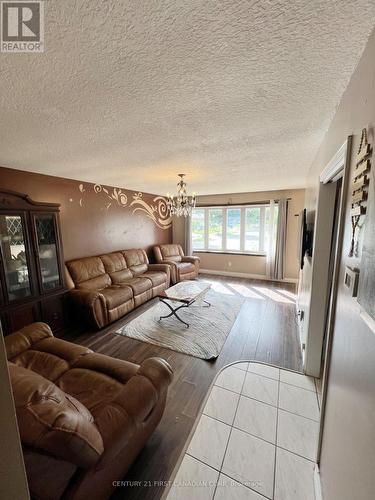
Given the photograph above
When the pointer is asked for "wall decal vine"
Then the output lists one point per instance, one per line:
(117, 195)
(157, 211)
(82, 189)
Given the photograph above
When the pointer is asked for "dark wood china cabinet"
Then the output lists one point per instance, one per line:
(31, 263)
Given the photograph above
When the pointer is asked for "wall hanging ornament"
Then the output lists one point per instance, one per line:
(360, 190)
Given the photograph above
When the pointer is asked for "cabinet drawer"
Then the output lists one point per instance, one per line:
(17, 318)
(53, 313)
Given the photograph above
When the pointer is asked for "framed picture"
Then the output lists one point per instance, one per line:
(351, 280)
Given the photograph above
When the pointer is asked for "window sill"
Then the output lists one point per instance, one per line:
(228, 252)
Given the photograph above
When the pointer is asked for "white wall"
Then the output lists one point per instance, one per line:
(13, 483)
(348, 449)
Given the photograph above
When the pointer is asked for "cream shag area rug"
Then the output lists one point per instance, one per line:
(206, 335)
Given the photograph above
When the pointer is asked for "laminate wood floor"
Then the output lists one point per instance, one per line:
(265, 330)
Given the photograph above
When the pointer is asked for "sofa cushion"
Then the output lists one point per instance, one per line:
(23, 339)
(136, 260)
(47, 356)
(120, 276)
(157, 277)
(171, 252)
(138, 285)
(97, 380)
(85, 269)
(45, 364)
(185, 267)
(53, 421)
(93, 390)
(115, 265)
(116, 295)
(95, 283)
(88, 273)
(113, 262)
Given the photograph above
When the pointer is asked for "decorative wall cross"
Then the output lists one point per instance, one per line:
(360, 189)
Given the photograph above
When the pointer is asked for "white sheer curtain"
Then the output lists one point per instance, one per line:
(271, 240)
(281, 239)
(188, 238)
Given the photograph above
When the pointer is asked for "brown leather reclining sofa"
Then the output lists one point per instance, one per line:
(83, 417)
(107, 287)
(182, 268)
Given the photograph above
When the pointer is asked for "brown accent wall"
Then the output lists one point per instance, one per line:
(95, 219)
(348, 452)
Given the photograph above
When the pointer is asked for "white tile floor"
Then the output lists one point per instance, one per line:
(257, 438)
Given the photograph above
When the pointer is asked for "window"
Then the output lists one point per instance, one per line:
(198, 229)
(233, 229)
(215, 228)
(252, 229)
(244, 229)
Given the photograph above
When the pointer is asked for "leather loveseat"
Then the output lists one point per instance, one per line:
(108, 286)
(182, 268)
(83, 417)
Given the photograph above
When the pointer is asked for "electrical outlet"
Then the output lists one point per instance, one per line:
(229, 263)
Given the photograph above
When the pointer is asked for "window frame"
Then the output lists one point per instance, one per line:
(242, 251)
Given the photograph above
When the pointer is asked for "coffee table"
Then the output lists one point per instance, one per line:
(185, 293)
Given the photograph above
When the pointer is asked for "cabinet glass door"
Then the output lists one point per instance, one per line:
(47, 251)
(14, 256)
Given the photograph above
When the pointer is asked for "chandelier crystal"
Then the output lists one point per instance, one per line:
(181, 204)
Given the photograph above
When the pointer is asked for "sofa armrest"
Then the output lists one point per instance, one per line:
(157, 371)
(165, 268)
(173, 270)
(159, 267)
(157, 254)
(93, 304)
(130, 410)
(23, 339)
(193, 259)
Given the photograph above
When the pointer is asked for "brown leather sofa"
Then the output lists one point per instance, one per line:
(83, 417)
(182, 268)
(108, 286)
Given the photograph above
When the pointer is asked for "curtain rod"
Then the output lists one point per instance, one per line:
(205, 205)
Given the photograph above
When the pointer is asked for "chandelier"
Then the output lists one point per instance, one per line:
(181, 204)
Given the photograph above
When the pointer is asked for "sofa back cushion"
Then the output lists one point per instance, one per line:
(171, 252)
(52, 421)
(115, 265)
(88, 273)
(136, 260)
(34, 347)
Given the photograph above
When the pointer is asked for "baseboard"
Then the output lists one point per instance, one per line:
(317, 484)
(245, 275)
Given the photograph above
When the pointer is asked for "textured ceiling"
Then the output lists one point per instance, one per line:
(238, 94)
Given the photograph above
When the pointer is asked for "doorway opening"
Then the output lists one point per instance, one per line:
(328, 236)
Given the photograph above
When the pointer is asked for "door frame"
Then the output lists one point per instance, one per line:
(338, 167)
